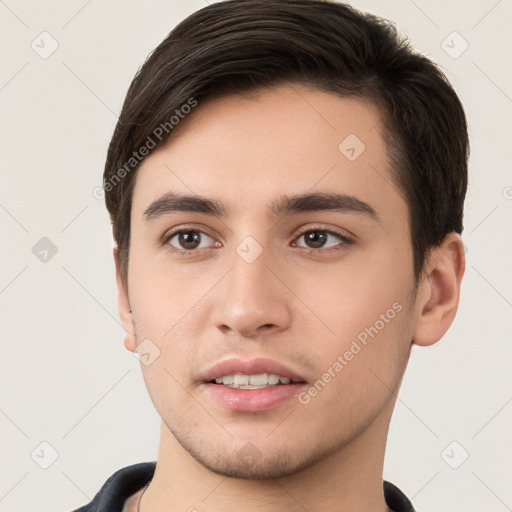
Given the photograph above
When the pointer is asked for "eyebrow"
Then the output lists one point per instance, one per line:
(173, 202)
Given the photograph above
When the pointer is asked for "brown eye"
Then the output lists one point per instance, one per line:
(188, 240)
(315, 239)
(318, 238)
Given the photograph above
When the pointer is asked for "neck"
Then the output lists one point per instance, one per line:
(348, 480)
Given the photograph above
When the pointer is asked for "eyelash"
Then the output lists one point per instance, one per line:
(342, 237)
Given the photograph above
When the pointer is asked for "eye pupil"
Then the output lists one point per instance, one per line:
(317, 238)
(189, 237)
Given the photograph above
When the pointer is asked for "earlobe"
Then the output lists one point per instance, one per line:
(125, 310)
(439, 291)
(130, 342)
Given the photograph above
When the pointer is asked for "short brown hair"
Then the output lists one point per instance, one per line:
(238, 45)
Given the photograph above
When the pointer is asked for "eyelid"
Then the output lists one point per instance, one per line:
(344, 240)
(328, 229)
(186, 227)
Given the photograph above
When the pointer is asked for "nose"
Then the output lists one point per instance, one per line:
(252, 300)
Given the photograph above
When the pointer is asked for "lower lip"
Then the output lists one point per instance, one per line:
(253, 400)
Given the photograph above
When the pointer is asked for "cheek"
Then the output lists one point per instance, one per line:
(163, 294)
(350, 297)
(368, 341)
(167, 376)
(360, 374)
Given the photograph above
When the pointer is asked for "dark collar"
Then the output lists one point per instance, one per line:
(127, 481)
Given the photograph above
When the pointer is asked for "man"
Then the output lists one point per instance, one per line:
(286, 185)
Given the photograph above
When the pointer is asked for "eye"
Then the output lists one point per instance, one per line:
(188, 240)
(317, 238)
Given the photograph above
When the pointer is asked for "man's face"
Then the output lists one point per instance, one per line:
(257, 283)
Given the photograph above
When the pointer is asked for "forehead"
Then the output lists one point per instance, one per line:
(246, 150)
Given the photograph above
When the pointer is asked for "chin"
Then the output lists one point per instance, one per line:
(238, 459)
(279, 464)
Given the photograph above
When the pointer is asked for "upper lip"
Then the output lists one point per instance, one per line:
(250, 367)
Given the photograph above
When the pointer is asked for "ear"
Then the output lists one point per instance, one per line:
(125, 311)
(439, 291)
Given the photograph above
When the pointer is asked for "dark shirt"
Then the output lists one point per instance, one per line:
(127, 481)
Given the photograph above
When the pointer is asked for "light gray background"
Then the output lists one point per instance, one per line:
(66, 378)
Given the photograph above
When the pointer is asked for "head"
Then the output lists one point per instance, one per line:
(244, 103)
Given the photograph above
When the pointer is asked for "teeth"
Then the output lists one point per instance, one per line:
(259, 381)
(273, 379)
(241, 380)
(228, 379)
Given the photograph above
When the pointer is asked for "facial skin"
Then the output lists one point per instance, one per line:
(301, 308)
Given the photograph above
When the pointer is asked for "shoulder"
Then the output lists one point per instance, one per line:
(396, 500)
(119, 487)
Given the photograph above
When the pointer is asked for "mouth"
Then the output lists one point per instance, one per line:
(252, 386)
(251, 374)
(255, 381)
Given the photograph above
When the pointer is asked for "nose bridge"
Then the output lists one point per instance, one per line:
(251, 296)
(250, 274)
